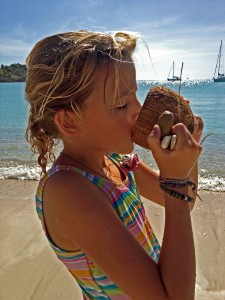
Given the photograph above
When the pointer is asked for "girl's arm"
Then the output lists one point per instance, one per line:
(80, 213)
(147, 179)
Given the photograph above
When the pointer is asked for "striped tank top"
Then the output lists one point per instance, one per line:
(126, 201)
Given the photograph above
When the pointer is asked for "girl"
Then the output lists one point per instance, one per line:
(81, 87)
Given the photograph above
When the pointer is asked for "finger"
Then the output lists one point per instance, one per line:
(181, 132)
(187, 101)
(184, 139)
(200, 122)
(154, 138)
(173, 142)
(198, 127)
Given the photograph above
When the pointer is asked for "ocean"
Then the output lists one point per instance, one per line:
(207, 99)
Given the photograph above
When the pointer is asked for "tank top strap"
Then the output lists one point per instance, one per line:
(105, 184)
(99, 181)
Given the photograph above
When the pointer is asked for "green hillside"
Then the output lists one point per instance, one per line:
(13, 73)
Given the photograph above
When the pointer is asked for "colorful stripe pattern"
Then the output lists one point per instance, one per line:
(126, 202)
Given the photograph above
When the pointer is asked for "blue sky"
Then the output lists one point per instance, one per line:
(188, 31)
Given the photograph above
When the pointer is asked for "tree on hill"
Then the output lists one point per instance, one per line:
(13, 73)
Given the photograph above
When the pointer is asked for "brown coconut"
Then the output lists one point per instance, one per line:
(158, 100)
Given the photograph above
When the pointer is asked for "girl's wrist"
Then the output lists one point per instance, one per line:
(181, 176)
(177, 188)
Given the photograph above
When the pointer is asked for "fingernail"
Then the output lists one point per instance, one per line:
(173, 142)
(155, 128)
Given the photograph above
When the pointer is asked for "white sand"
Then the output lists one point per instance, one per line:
(30, 270)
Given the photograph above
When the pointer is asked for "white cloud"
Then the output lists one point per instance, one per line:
(16, 44)
(168, 39)
(14, 47)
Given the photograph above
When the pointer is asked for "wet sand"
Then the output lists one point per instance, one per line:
(30, 270)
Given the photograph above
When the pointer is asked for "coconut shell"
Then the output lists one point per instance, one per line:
(158, 100)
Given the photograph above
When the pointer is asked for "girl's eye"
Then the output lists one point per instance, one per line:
(121, 107)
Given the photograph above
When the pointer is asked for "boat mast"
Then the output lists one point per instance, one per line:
(221, 46)
(221, 61)
(181, 70)
(173, 70)
(218, 61)
(169, 72)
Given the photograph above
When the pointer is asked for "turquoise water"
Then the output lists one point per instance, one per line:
(206, 99)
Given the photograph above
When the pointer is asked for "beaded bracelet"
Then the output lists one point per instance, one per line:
(164, 183)
(176, 183)
(172, 193)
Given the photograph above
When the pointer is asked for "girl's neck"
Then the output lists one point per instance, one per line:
(89, 162)
(104, 167)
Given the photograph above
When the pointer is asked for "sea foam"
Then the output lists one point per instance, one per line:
(20, 172)
(28, 172)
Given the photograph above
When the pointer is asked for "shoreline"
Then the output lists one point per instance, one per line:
(29, 170)
(29, 269)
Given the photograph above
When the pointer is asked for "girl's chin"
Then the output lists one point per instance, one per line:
(128, 149)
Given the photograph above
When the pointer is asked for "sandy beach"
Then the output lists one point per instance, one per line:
(30, 270)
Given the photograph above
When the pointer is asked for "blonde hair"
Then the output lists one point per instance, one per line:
(61, 72)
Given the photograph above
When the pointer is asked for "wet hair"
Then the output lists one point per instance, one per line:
(61, 72)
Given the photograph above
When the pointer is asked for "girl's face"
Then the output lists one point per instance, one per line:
(108, 119)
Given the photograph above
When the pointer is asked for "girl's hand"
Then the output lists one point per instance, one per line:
(178, 163)
(198, 125)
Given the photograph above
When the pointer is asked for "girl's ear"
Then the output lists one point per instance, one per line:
(68, 122)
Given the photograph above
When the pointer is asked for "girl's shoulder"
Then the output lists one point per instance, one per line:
(61, 177)
(65, 198)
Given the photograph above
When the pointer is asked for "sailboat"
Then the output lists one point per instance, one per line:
(219, 70)
(173, 78)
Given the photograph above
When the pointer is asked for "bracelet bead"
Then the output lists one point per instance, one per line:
(175, 194)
